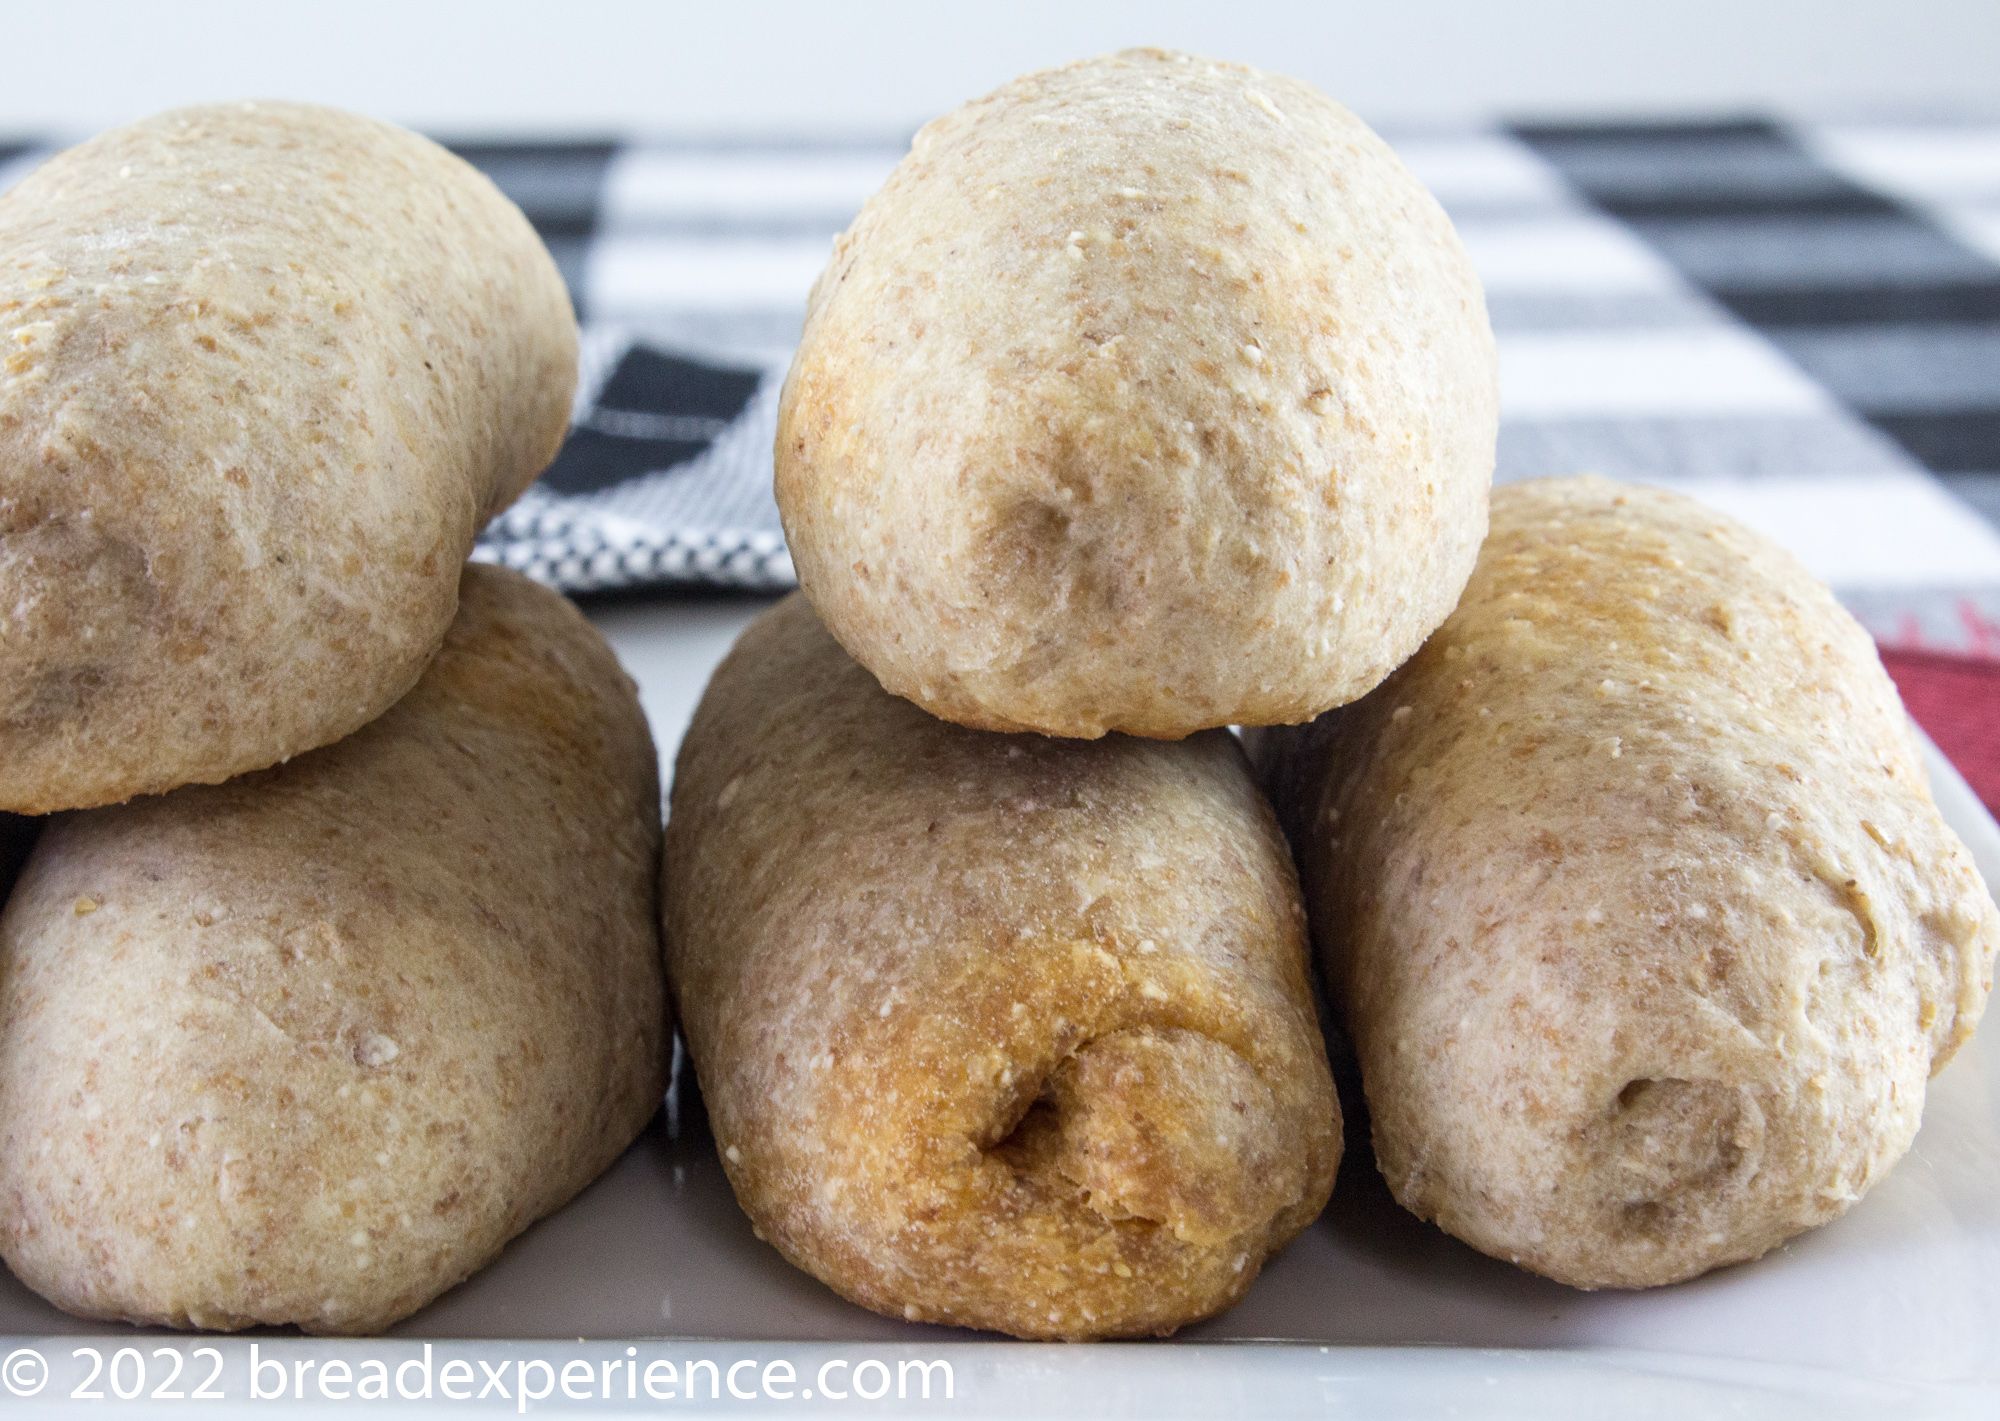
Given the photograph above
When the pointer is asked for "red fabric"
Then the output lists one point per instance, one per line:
(1957, 700)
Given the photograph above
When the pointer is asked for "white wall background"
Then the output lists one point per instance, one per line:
(786, 66)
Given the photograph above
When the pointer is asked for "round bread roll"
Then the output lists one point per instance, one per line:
(997, 1031)
(268, 371)
(1148, 395)
(309, 1047)
(1632, 893)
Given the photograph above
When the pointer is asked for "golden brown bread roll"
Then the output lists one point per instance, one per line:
(268, 370)
(310, 1046)
(1633, 896)
(992, 1030)
(1149, 394)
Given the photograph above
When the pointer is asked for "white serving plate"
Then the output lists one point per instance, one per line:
(1897, 1304)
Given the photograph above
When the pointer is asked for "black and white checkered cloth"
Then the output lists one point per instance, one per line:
(689, 267)
(1798, 324)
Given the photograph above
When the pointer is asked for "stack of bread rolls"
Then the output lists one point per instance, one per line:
(1149, 397)
(1152, 396)
(336, 963)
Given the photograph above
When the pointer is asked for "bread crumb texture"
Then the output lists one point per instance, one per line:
(334, 1032)
(1000, 1031)
(1641, 916)
(1149, 394)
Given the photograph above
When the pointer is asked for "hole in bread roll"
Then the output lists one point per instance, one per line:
(1166, 1127)
(1677, 1146)
(1635, 1092)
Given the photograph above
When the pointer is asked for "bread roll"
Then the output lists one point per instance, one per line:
(268, 370)
(310, 1046)
(1632, 891)
(1148, 395)
(997, 1031)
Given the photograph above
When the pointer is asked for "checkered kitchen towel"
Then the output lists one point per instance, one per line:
(1799, 325)
(689, 267)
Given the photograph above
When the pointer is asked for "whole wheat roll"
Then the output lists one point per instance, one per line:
(1633, 896)
(310, 1046)
(992, 1030)
(1149, 394)
(268, 370)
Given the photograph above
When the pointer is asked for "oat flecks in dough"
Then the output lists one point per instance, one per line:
(1645, 927)
(336, 1031)
(993, 1030)
(265, 371)
(1148, 395)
